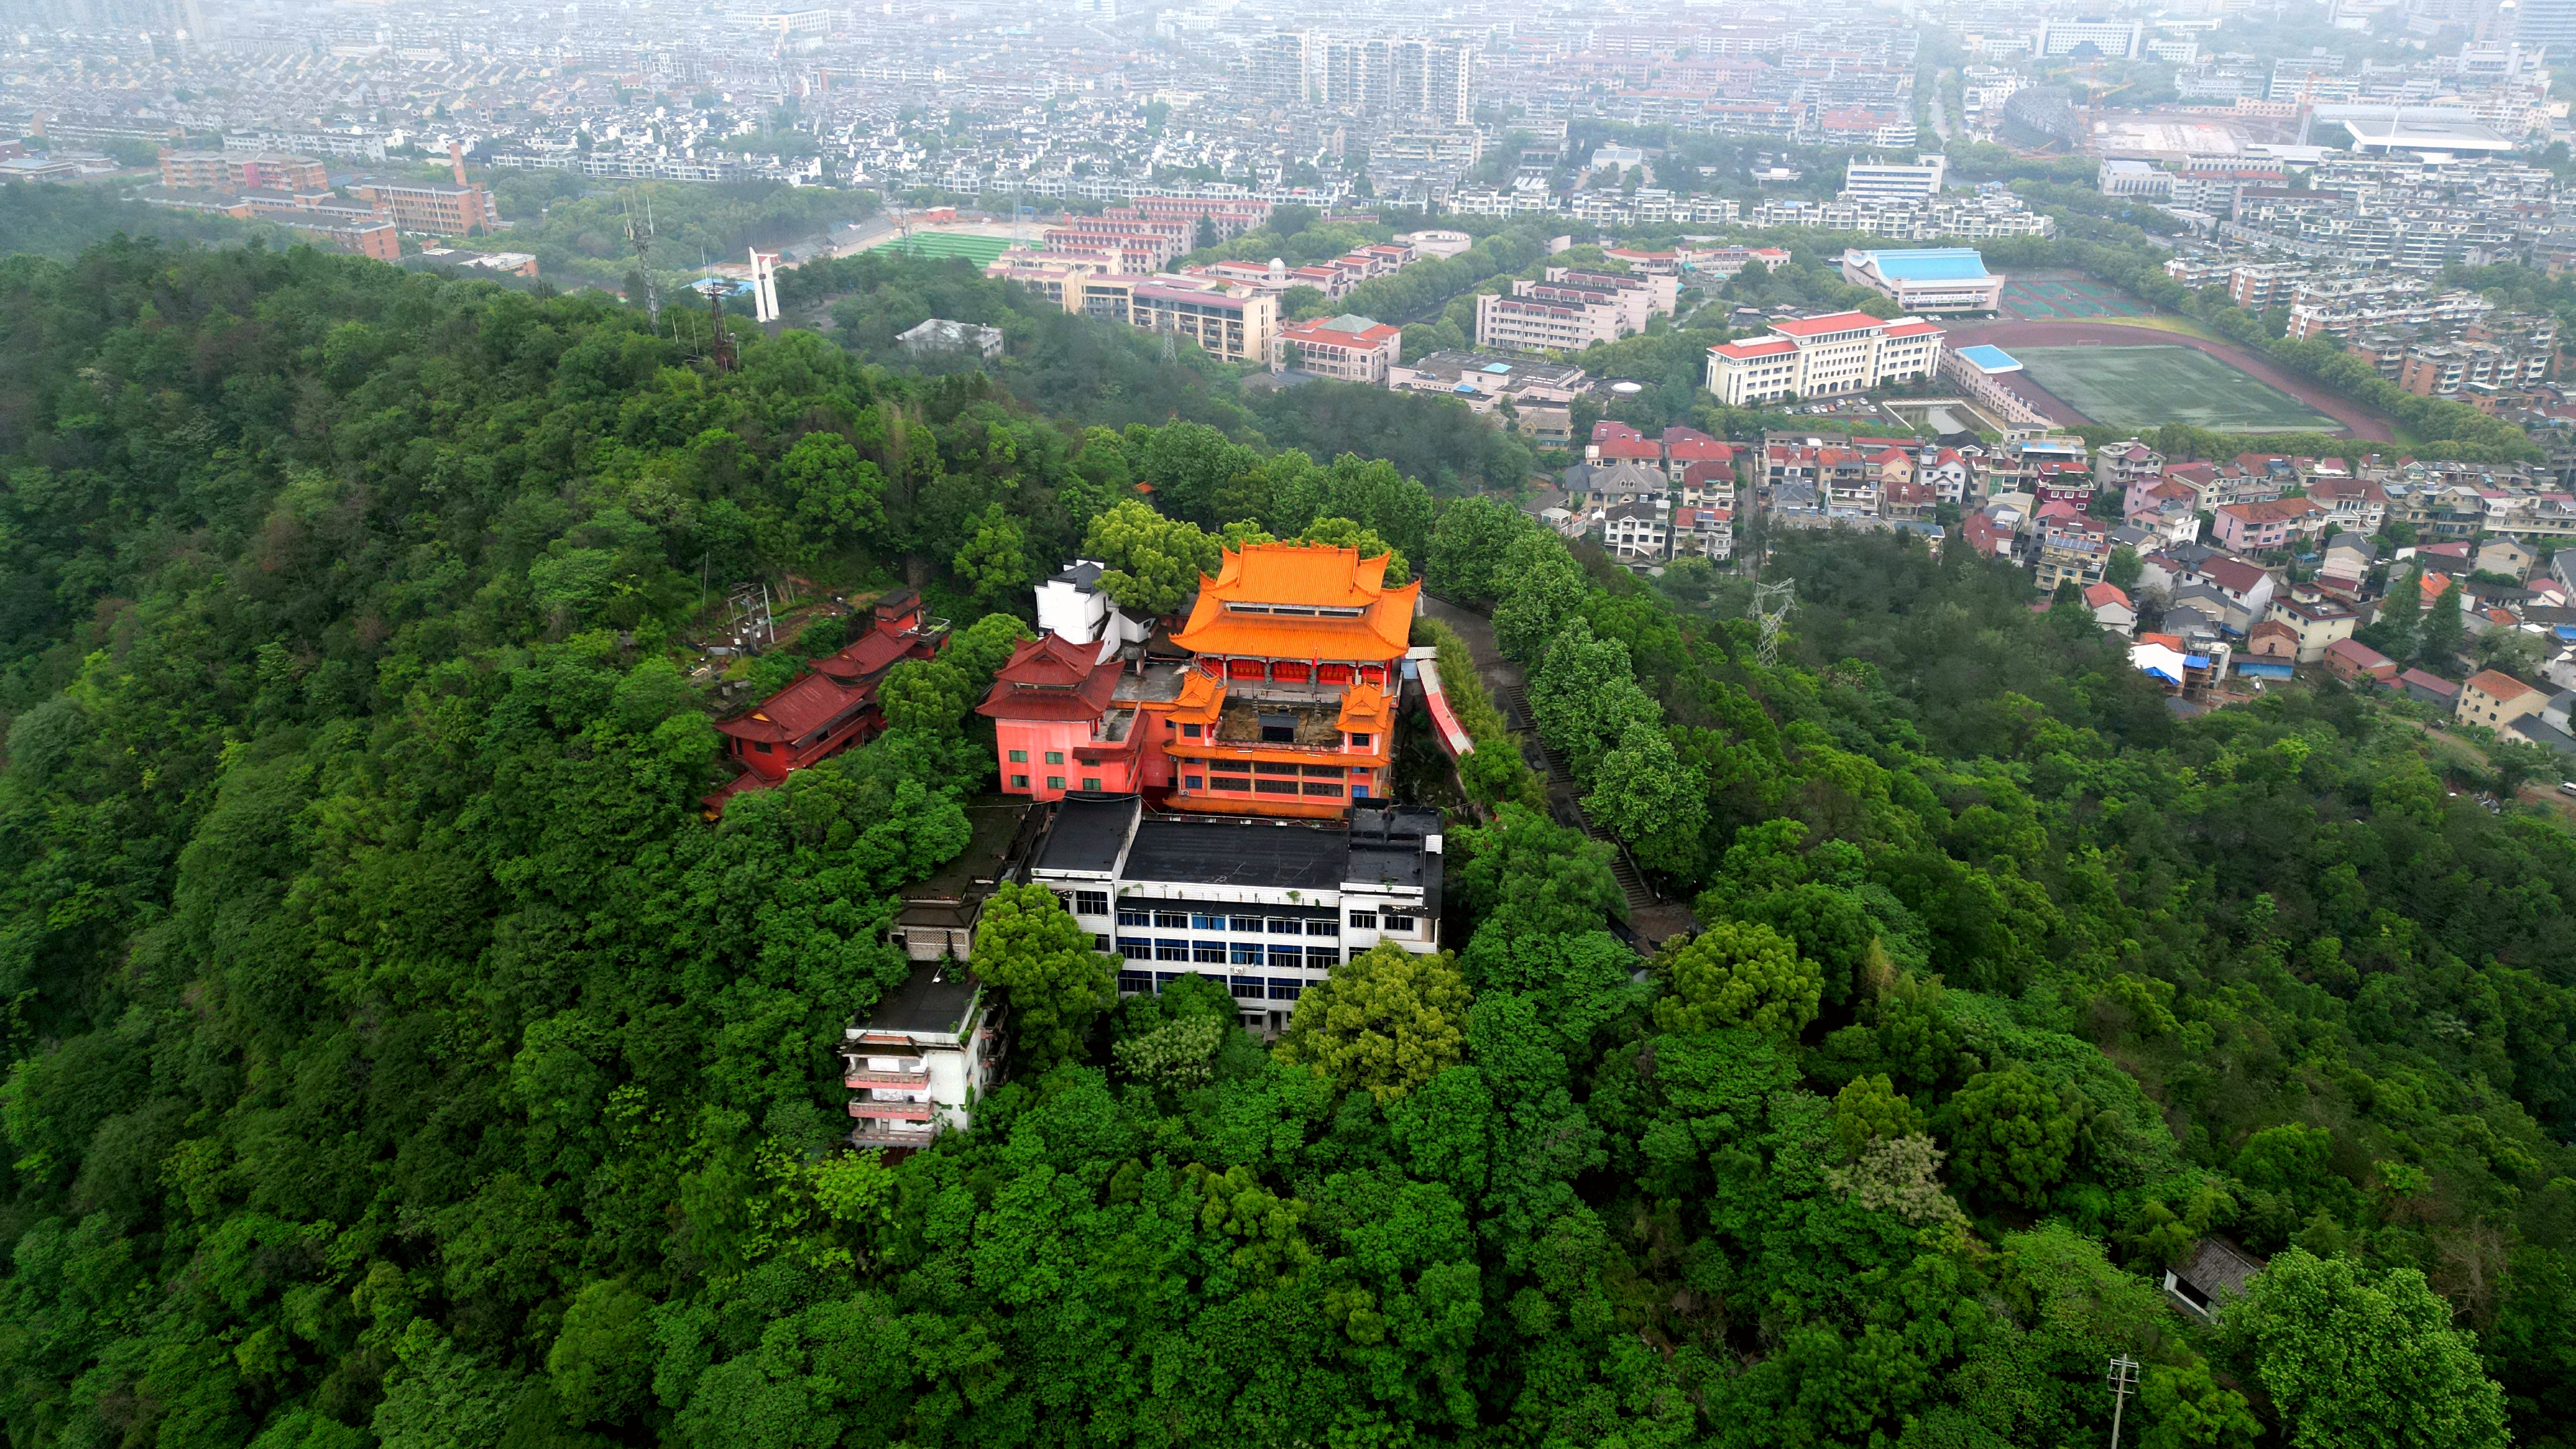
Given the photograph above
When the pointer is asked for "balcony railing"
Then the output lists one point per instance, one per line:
(893, 1111)
(887, 1134)
(856, 1080)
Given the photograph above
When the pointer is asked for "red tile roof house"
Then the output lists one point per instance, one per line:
(2353, 660)
(1613, 440)
(2264, 526)
(2430, 689)
(2111, 607)
(1686, 446)
(2496, 699)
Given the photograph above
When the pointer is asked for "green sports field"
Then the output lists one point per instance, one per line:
(2144, 387)
(981, 250)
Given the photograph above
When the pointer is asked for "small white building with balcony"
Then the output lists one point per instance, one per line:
(916, 1065)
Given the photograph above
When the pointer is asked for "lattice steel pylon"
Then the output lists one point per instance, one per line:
(1771, 606)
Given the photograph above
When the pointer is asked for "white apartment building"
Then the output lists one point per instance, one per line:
(1266, 907)
(1819, 356)
(1893, 181)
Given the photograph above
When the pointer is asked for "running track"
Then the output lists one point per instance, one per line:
(2088, 331)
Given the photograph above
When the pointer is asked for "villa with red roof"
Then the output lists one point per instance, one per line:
(1614, 441)
(1845, 352)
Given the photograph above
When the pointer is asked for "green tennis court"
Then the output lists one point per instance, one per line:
(981, 250)
(2145, 387)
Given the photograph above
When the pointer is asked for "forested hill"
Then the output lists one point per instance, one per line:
(397, 1058)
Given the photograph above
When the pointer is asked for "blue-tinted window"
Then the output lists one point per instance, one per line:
(1247, 925)
(1135, 918)
(1208, 952)
(1135, 981)
(1246, 955)
(1323, 928)
(1171, 950)
(1288, 956)
(1248, 987)
(1206, 923)
(1284, 988)
(1135, 948)
(1284, 926)
(1323, 956)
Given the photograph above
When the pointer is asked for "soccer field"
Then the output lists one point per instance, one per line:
(2143, 387)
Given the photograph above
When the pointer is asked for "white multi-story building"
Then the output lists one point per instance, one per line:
(2115, 39)
(1894, 181)
(1821, 356)
(919, 1061)
(1267, 907)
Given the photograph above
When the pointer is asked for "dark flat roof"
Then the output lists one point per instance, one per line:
(1237, 853)
(933, 999)
(1088, 835)
(995, 819)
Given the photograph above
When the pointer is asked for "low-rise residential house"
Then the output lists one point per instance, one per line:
(1706, 485)
(2120, 467)
(1638, 531)
(2430, 689)
(2261, 527)
(1945, 473)
(2073, 548)
(2315, 625)
(1708, 532)
(2562, 567)
(2273, 639)
(2508, 556)
(1990, 532)
(2248, 586)
(2222, 612)
(2352, 660)
(2219, 484)
(1613, 440)
(1607, 485)
(1685, 448)
(1850, 492)
(2347, 563)
(2111, 607)
(1892, 466)
(2183, 671)
(2496, 699)
(1908, 500)
(2351, 505)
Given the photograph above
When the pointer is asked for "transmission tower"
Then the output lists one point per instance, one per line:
(1771, 606)
(641, 238)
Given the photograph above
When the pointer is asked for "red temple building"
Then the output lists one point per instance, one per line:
(1288, 707)
(830, 707)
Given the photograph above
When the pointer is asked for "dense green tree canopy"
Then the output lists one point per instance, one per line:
(398, 1055)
